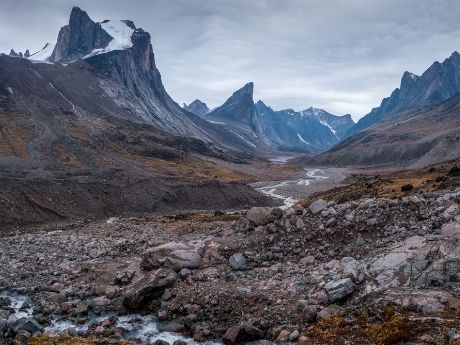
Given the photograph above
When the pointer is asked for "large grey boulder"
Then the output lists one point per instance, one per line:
(262, 215)
(318, 206)
(148, 288)
(179, 259)
(339, 289)
(155, 257)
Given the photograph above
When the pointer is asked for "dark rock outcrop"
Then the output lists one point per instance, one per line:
(239, 109)
(79, 38)
(148, 288)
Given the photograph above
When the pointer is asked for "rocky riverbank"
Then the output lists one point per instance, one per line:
(372, 271)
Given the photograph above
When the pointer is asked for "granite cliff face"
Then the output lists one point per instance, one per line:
(438, 83)
(239, 109)
(79, 38)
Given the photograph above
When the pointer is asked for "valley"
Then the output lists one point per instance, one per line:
(126, 218)
(293, 191)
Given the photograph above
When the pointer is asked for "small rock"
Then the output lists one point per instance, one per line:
(237, 262)
(339, 289)
(318, 206)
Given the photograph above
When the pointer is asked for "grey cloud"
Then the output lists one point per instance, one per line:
(341, 55)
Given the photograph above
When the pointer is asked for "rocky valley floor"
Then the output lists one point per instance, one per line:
(375, 270)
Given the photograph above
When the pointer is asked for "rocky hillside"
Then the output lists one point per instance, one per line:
(371, 271)
(420, 138)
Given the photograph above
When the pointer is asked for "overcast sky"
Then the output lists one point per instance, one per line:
(340, 55)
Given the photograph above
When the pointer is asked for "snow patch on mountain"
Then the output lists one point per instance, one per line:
(328, 126)
(243, 138)
(121, 33)
(44, 54)
(302, 139)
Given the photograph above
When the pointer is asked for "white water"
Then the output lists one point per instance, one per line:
(17, 302)
(144, 327)
(274, 189)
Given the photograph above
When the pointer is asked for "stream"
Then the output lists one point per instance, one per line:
(136, 326)
(290, 190)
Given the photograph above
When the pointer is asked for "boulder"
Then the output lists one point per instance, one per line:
(309, 313)
(318, 206)
(154, 258)
(339, 289)
(242, 333)
(3, 326)
(262, 215)
(237, 262)
(160, 342)
(179, 259)
(180, 342)
(149, 287)
(27, 324)
(451, 212)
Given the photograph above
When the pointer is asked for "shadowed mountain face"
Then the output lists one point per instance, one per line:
(339, 125)
(79, 38)
(118, 59)
(311, 130)
(198, 108)
(427, 136)
(419, 124)
(437, 84)
(291, 130)
(239, 109)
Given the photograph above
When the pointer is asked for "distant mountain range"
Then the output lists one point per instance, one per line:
(105, 73)
(310, 130)
(419, 124)
(438, 83)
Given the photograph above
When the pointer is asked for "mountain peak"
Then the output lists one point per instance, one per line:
(239, 107)
(197, 107)
(408, 76)
(77, 11)
(79, 38)
(246, 92)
